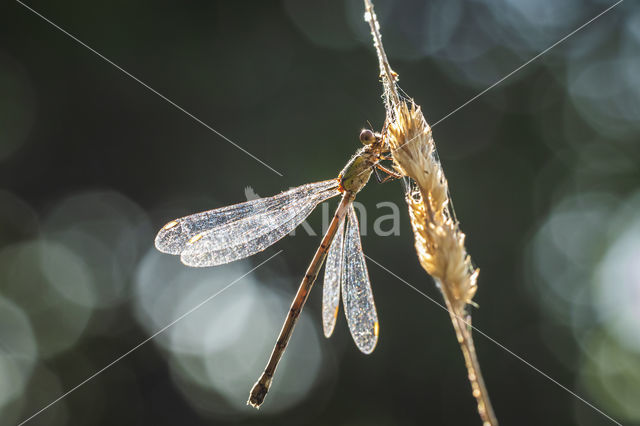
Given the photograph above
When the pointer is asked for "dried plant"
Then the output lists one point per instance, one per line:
(439, 242)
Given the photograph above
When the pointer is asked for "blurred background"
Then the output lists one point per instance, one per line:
(544, 171)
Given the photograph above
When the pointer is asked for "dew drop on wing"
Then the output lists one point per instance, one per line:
(331, 286)
(174, 236)
(357, 296)
(251, 235)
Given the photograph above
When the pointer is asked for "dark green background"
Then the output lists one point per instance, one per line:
(293, 83)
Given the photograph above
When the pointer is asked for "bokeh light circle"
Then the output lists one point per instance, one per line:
(109, 232)
(18, 351)
(57, 321)
(217, 352)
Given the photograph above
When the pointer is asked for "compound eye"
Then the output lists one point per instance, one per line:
(367, 137)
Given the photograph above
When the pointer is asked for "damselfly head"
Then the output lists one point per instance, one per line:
(367, 137)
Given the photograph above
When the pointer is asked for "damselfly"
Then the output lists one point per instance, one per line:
(220, 236)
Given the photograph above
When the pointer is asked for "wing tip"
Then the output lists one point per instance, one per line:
(369, 347)
(328, 329)
(161, 244)
(168, 238)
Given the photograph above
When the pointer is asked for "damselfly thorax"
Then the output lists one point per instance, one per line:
(235, 232)
(356, 173)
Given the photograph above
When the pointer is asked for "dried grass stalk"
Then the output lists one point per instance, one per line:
(439, 242)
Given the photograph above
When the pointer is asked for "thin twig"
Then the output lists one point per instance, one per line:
(386, 73)
(439, 242)
(478, 388)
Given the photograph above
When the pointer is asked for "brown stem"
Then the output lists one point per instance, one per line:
(385, 68)
(478, 388)
(436, 215)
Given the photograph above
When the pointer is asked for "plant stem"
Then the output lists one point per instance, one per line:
(454, 301)
(389, 82)
(462, 328)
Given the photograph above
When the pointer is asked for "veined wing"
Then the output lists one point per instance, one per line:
(175, 235)
(356, 290)
(249, 228)
(250, 235)
(331, 287)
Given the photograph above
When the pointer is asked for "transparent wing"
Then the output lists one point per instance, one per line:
(356, 290)
(252, 234)
(331, 285)
(175, 235)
